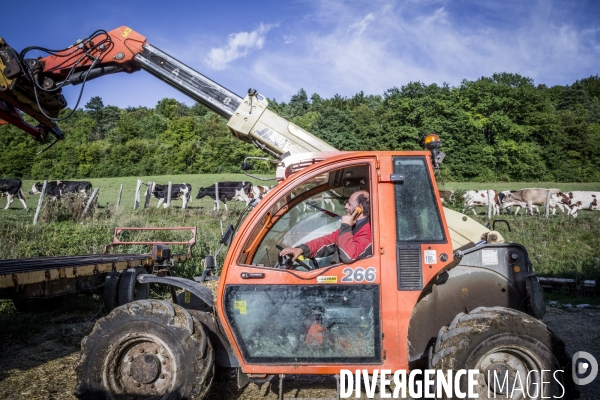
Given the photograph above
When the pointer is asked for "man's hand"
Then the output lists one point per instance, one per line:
(295, 252)
(348, 219)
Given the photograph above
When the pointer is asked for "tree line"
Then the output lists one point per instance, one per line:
(498, 128)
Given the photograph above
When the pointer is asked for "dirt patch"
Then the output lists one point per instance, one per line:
(41, 366)
(580, 329)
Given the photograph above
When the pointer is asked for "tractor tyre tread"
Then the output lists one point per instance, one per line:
(467, 330)
(194, 381)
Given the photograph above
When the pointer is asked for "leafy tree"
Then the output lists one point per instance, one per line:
(500, 127)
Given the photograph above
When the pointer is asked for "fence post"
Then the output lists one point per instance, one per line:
(490, 193)
(148, 194)
(119, 198)
(90, 201)
(40, 201)
(169, 194)
(548, 195)
(217, 194)
(136, 202)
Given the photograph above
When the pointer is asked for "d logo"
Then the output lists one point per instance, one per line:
(584, 368)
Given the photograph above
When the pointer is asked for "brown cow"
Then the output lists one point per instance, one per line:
(529, 198)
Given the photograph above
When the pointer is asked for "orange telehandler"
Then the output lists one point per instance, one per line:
(439, 290)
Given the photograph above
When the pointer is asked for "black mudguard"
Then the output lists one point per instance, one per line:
(200, 291)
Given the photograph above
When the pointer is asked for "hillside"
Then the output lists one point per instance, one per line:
(498, 128)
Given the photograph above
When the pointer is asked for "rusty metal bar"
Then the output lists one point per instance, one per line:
(117, 242)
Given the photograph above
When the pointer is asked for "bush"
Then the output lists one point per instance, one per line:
(69, 208)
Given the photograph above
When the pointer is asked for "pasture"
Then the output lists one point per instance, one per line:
(109, 187)
(559, 246)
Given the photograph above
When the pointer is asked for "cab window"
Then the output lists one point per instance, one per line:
(417, 216)
(308, 211)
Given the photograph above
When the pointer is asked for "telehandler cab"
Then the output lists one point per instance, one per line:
(440, 291)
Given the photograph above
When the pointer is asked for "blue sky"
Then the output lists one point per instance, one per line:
(325, 46)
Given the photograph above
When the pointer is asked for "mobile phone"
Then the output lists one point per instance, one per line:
(356, 213)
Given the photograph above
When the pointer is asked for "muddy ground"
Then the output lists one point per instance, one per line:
(37, 362)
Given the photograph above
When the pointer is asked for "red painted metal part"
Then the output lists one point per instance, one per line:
(126, 43)
(117, 242)
(9, 115)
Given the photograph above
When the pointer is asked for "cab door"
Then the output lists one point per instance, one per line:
(415, 242)
(308, 318)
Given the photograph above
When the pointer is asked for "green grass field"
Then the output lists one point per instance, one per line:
(109, 187)
(558, 246)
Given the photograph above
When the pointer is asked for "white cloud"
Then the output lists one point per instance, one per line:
(362, 25)
(351, 47)
(288, 39)
(239, 45)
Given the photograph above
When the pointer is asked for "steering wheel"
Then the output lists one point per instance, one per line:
(288, 263)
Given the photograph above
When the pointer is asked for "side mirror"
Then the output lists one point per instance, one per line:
(209, 268)
(246, 166)
(209, 263)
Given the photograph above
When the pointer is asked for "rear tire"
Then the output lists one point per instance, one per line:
(129, 287)
(111, 290)
(504, 341)
(147, 349)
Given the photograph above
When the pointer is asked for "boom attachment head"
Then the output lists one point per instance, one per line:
(33, 86)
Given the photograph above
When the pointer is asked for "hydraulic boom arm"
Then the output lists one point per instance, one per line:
(33, 86)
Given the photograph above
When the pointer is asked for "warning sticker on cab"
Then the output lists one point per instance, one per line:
(489, 257)
(240, 305)
(327, 279)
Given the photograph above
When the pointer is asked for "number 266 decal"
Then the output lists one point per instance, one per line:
(359, 274)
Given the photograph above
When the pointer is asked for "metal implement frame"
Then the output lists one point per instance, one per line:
(57, 275)
(117, 242)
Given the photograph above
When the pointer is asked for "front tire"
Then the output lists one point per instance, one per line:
(499, 341)
(147, 349)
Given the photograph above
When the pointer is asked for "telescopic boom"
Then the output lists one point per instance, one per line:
(34, 86)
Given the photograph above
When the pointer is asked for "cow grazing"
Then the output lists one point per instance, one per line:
(475, 198)
(529, 198)
(578, 200)
(57, 189)
(12, 188)
(506, 203)
(227, 191)
(179, 191)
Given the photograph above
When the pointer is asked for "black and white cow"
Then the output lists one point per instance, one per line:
(11, 188)
(179, 191)
(227, 191)
(57, 189)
